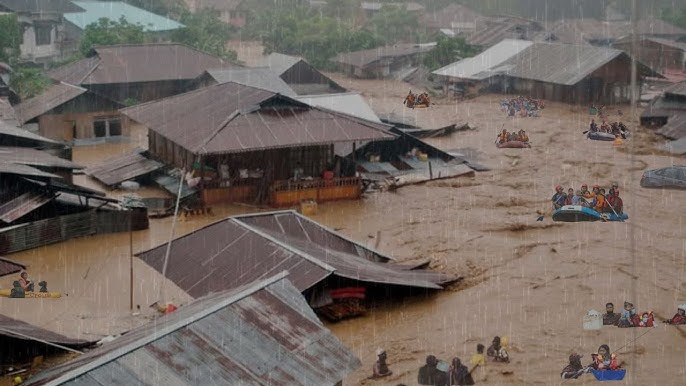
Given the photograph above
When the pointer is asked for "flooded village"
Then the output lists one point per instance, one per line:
(342, 193)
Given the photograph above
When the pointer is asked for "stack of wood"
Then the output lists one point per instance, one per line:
(347, 302)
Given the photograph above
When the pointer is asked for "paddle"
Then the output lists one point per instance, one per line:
(613, 210)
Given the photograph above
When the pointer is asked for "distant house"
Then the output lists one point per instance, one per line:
(371, 8)
(42, 23)
(70, 113)
(562, 72)
(256, 139)
(261, 333)
(456, 18)
(154, 25)
(138, 72)
(230, 11)
(301, 76)
(665, 56)
(381, 62)
(492, 30)
(667, 112)
(605, 33)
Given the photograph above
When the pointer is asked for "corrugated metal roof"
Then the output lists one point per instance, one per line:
(263, 333)
(16, 132)
(138, 63)
(54, 96)
(578, 30)
(33, 157)
(347, 103)
(8, 267)
(22, 205)
(238, 250)
(677, 89)
(124, 167)
(18, 329)
(676, 147)
(366, 57)
(479, 67)
(262, 78)
(40, 6)
(231, 118)
(492, 30)
(279, 63)
(670, 43)
(114, 10)
(675, 128)
(23, 170)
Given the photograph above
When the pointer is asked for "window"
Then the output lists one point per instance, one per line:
(43, 34)
(107, 127)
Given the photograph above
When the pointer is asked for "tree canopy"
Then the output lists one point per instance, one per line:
(205, 32)
(448, 50)
(392, 24)
(109, 32)
(10, 38)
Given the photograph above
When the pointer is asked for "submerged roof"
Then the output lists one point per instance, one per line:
(114, 10)
(23, 170)
(262, 78)
(124, 167)
(16, 132)
(32, 157)
(232, 118)
(678, 89)
(8, 267)
(238, 250)
(363, 58)
(262, 333)
(479, 67)
(132, 63)
(55, 95)
(347, 103)
(40, 6)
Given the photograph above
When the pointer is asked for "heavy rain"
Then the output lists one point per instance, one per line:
(342, 192)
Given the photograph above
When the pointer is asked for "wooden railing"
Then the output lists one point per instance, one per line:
(289, 185)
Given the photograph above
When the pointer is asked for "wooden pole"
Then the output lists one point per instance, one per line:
(131, 258)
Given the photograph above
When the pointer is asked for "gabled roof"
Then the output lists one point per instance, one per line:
(364, 58)
(23, 170)
(262, 333)
(138, 63)
(114, 10)
(262, 78)
(280, 63)
(479, 67)
(240, 249)
(40, 6)
(347, 103)
(32, 157)
(55, 95)
(232, 118)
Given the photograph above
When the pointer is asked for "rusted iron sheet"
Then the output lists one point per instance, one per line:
(54, 96)
(18, 329)
(33, 157)
(675, 127)
(23, 170)
(8, 267)
(9, 130)
(260, 334)
(230, 118)
(22, 205)
(125, 167)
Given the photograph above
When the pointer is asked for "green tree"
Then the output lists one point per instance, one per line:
(10, 38)
(205, 32)
(393, 24)
(448, 50)
(674, 16)
(28, 82)
(108, 32)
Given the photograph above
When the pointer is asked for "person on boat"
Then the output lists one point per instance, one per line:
(423, 99)
(522, 136)
(679, 317)
(380, 367)
(26, 284)
(497, 352)
(604, 127)
(409, 100)
(559, 198)
(503, 136)
(574, 369)
(427, 373)
(610, 318)
(600, 204)
(459, 374)
(647, 320)
(604, 360)
(17, 291)
(626, 318)
(512, 136)
(616, 202)
(570, 198)
(593, 127)
(584, 191)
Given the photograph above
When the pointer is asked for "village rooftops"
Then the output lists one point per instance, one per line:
(133, 63)
(366, 57)
(347, 103)
(262, 333)
(280, 63)
(454, 16)
(592, 30)
(231, 118)
(480, 66)
(240, 249)
(678, 89)
(39, 6)
(114, 10)
(57, 94)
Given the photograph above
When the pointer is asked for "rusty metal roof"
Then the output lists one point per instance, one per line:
(139, 63)
(8, 267)
(22, 205)
(33, 157)
(18, 329)
(238, 250)
(124, 167)
(364, 58)
(54, 96)
(12, 131)
(23, 170)
(232, 118)
(262, 333)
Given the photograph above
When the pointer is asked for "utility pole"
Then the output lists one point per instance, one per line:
(131, 258)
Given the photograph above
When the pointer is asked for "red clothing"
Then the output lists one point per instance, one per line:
(327, 175)
(24, 283)
(678, 319)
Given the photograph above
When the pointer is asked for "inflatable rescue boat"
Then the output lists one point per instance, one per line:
(609, 375)
(33, 295)
(513, 145)
(600, 136)
(576, 213)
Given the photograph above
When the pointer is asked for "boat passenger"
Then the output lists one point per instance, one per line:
(626, 318)
(584, 191)
(502, 137)
(604, 127)
(17, 291)
(647, 320)
(574, 369)
(680, 316)
(459, 374)
(610, 318)
(593, 127)
(427, 373)
(616, 202)
(497, 351)
(522, 136)
(512, 136)
(25, 283)
(600, 204)
(380, 367)
(604, 360)
(559, 197)
(570, 196)
(478, 359)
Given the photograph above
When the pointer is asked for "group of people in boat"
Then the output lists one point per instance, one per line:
(629, 317)
(421, 99)
(522, 106)
(603, 360)
(520, 136)
(595, 199)
(437, 372)
(618, 129)
(24, 284)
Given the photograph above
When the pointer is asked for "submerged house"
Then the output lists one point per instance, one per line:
(249, 144)
(381, 62)
(300, 76)
(668, 57)
(260, 333)
(241, 249)
(73, 114)
(561, 72)
(667, 112)
(134, 73)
